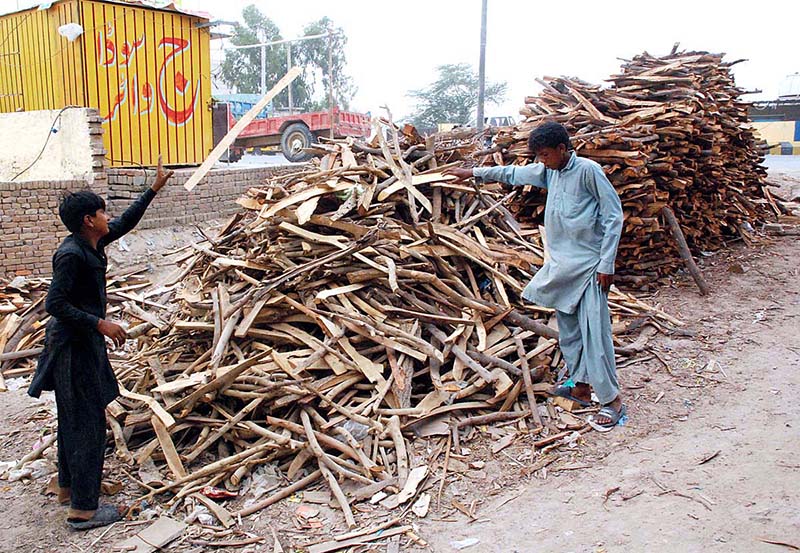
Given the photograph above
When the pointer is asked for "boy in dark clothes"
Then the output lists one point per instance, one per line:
(74, 362)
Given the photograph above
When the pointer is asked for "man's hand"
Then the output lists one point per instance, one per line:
(162, 176)
(605, 281)
(460, 173)
(113, 331)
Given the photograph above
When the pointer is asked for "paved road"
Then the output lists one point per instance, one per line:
(784, 164)
(252, 160)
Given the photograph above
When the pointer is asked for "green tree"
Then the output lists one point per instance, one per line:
(453, 97)
(241, 69)
(313, 56)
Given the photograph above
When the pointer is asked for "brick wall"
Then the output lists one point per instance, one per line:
(30, 229)
(215, 196)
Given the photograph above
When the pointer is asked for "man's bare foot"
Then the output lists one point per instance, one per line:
(603, 419)
(582, 391)
(64, 495)
(79, 515)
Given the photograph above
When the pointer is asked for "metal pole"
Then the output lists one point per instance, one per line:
(263, 70)
(482, 67)
(288, 67)
(330, 79)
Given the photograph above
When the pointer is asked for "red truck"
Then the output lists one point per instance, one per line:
(292, 132)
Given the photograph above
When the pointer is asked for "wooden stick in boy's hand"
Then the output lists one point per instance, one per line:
(162, 176)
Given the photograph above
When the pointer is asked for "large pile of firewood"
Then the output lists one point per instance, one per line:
(342, 308)
(671, 132)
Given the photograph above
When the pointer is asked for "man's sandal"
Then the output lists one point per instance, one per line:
(611, 414)
(566, 393)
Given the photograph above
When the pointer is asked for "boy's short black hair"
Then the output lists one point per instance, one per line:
(77, 205)
(548, 135)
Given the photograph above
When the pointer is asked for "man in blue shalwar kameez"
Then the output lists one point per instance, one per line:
(583, 223)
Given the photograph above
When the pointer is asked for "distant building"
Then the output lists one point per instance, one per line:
(145, 69)
(778, 122)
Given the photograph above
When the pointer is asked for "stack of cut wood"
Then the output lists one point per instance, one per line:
(21, 327)
(670, 132)
(341, 308)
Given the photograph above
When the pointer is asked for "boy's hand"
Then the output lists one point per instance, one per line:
(162, 176)
(113, 331)
(460, 173)
(605, 281)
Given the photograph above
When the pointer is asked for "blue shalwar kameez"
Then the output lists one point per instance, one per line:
(583, 223)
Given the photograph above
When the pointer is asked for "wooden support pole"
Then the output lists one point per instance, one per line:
(683, 249)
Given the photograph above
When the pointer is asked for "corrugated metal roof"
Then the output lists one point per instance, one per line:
(171, 7)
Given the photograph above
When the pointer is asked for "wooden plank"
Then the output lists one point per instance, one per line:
(240, 125)
(153, 538)
(303, 196)
(154, 406)
(249, 319)
(168, 447)
(222, 514)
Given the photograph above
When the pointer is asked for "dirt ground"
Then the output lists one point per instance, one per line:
(709, 460)
(646, 487)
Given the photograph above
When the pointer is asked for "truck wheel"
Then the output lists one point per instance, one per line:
(235, 154)
(296, 137)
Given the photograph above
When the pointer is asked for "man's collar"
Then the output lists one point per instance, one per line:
(85, 243)
(81, 240)
(571, 163)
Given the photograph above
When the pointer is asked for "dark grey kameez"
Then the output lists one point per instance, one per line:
(75, 362)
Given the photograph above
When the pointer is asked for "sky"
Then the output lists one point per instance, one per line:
(395, 46)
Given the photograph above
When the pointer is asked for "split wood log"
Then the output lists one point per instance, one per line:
(492, 418)
(323, 463)
(38, 452)
(683, 248)
(21, 354)
(282, 494)
(528, 381)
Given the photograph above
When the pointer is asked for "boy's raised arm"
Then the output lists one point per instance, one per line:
(122, 225)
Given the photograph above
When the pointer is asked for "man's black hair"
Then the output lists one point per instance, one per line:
(548, 135)
(77, 205)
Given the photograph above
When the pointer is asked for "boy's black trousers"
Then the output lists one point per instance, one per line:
(81, 448)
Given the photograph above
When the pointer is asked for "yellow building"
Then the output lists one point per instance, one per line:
(146, 70)
(778, 123)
